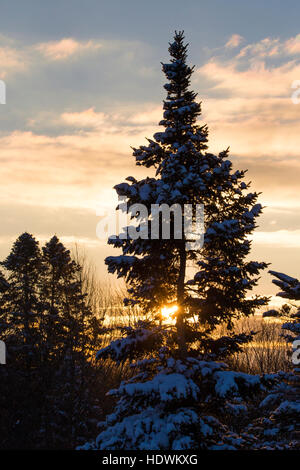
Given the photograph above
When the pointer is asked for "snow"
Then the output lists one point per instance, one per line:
(227, 382)
(271, 432)
(288, 407)
(284, 277)
(205, 429)
(270, 400)
(236, 409)
(294, 327)
(144, 192)
(120, 348)
(149, 430)
(165, 386)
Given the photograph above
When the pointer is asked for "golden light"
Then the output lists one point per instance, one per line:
(168, 312)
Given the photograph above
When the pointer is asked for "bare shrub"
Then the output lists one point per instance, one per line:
(267, 353)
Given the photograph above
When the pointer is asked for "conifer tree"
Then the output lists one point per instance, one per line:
(278, 425)
(156, 269)
(4, 324)
(51, 334)
(181, 396)
(23, 265)
(23, 340)
(69, 327)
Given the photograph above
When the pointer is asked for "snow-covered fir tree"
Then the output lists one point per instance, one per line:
(156, 269)
(279, 424)
(181, 395)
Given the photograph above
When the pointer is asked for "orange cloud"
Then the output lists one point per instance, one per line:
(271, 47)
(263, 48)
(234, 41)
(87, 118)
(255, 114)
(65, 48)
(149, 115)
(11, 59)
(286, 238)
(257, 81)
(292, 46)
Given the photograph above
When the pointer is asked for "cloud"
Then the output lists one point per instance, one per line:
(87, 118)
(12, 56)
(234, 41)
(292, 45)
(265, 47)
(248, 105)
(77, 168)
(271, 48)
(10, 59)
(16, 57)
(145, 115)
(256, 81)
(285, 238)
(66, 48)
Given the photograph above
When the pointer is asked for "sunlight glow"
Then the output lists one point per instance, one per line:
(168, 312)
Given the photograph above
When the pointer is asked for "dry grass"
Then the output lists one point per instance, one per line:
(267, 353)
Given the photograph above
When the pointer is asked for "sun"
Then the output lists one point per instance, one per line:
(168, 312)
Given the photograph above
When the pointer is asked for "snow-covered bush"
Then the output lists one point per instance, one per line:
(279, 426)
(173, 403)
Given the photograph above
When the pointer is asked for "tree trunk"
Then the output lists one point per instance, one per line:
(180, 299)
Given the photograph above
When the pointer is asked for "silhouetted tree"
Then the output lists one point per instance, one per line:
(23, 265)
(49, 385)
(156, 269)
(180, 398)
(72, 332)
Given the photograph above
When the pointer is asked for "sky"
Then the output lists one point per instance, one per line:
(84, 84)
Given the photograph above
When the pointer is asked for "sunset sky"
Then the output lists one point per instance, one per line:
(84, 83)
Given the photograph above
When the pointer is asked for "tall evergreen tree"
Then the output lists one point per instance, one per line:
(69, 328)
(156, 269)
(181, 396)
(23, 339)
(23, 265)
